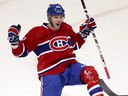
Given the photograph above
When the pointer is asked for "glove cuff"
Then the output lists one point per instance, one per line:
(82, 35)
(14, 46)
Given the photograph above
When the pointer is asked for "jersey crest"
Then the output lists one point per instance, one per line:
(59, 43)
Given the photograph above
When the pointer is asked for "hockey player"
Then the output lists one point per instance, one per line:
(54, 43)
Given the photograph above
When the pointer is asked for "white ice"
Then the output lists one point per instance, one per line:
(18, 76)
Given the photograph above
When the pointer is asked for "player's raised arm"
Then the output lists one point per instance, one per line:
(84, 31)
(18, 47)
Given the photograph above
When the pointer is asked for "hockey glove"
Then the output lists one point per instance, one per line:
(13, 34)
(87, 27)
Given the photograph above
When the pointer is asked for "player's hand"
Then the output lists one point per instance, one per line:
(13, 34)
(87, 27)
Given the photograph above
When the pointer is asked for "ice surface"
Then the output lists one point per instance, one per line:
(18, 77)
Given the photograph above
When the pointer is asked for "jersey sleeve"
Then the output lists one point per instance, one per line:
(20, 50)
(27, 44)
(77, 40)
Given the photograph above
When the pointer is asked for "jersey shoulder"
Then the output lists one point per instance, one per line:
(66, 26)
(35, 30)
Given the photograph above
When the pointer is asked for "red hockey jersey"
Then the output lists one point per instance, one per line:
(54, 48)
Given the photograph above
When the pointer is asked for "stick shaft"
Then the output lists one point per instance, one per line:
(96, 42)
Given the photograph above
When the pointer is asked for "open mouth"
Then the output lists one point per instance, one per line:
(57, 24)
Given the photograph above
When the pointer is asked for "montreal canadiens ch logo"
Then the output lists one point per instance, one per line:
(59, 43)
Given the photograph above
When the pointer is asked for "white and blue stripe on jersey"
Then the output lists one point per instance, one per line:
(24, 51)
(45, 47)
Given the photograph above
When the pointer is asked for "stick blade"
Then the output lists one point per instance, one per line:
(106, 88)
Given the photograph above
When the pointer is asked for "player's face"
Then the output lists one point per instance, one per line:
(56, 21)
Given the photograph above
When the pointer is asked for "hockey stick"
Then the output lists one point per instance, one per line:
(101, 81)
(96, 42)
(107, 89)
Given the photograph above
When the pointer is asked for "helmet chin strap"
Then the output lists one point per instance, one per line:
(50, 21)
